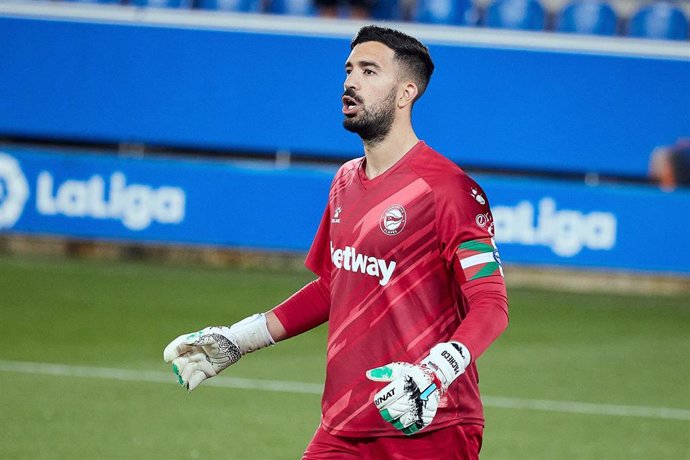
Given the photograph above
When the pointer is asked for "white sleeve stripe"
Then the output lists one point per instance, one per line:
(477, 259)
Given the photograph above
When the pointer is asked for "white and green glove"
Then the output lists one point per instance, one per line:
(200, 355)
(410, 401)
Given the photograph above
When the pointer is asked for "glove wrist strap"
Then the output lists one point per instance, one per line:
(449, 361)
(251, 334)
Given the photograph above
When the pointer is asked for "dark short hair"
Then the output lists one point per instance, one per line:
(409, 52)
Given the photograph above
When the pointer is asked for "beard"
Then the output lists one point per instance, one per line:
(372, 124)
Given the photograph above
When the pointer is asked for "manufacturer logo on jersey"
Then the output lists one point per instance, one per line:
(478, 196)
(336, 215)
(393, 220)
(14, 190)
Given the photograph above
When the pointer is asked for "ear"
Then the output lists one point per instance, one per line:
(407, 94)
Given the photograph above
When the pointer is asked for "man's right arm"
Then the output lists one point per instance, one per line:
(201, 355)
(307, 308)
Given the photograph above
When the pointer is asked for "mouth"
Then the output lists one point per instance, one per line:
(350, 106)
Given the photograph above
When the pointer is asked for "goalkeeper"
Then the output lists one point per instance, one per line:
(409, 280)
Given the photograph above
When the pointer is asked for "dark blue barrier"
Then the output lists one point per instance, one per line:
(250, 206)
(489, 106)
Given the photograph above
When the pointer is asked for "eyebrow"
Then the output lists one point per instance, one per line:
(364, 64)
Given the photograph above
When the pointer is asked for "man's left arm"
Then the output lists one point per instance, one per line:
(465, 226)
(487, 315)
(410, 401)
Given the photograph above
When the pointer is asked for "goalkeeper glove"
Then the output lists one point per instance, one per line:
(200, 355)
(410, 401)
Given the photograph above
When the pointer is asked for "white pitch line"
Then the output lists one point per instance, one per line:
(64, 370)
(586, 408)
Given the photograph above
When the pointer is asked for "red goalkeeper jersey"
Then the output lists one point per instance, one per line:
(397, 253)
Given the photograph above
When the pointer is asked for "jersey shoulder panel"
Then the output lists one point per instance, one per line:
(348, 168)
(346, 173)
(461, 209)
(449, 182)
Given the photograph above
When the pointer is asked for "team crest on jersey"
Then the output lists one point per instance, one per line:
(393, 220)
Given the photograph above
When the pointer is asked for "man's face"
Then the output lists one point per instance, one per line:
(370, 91)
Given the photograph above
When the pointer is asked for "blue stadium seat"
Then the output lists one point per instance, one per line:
(242, 6)
(592, 17)
(387, 10)
(114, 2)
(516, 14)
(458, 12)
(659, 20)
(162, 3)
(292, 7)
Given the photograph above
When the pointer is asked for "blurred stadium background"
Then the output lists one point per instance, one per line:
(164, 165)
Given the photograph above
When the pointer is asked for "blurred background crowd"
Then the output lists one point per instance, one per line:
(669, 165)
(657, 19)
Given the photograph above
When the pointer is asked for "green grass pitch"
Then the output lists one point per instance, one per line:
(624, 359)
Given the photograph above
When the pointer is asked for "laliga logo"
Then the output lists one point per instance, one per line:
(14, 190)
(135, 205)
(393, 220)
(565, 231)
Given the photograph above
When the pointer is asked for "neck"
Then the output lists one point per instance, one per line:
(381, 155)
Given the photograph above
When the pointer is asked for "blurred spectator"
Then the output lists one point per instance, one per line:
(669, 166)
(358, 9)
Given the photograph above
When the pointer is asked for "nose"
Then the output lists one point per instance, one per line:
(351, 82)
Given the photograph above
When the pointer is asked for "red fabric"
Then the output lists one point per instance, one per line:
(457, 442)
(387, 250)
(487, 316)
(306, 309)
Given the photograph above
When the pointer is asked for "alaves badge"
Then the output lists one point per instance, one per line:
(393, 220)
